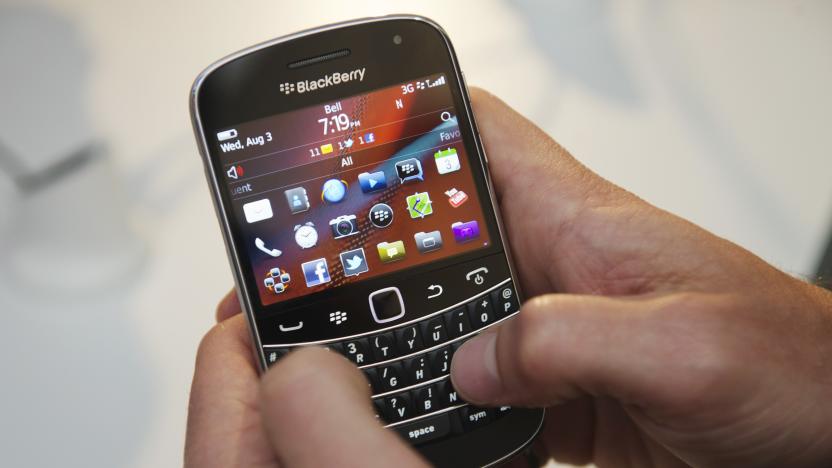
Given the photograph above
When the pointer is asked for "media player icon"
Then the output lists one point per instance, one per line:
(372, 181)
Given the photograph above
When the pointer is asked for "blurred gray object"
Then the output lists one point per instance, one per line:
(78, 387)
(62, 206)
(43, 97)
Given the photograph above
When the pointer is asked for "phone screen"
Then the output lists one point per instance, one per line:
(356, 188)
(353, 192)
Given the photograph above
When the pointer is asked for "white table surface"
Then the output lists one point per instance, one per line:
(718, 111)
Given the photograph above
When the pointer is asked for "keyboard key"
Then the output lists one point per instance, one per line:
(381, 409)
(426, 399)
(383, 346)
(274, 354)
(408, 339)
(473, 417)
(357, 351)
(457, 321)
(481, 312)
(434, 332)
(372, 377)
(440, 361)
(501, 411)
(425, 429)
(390, 377)
(398, 407)
(505, 300)
(447, 394)
(417, 369)
(336, 347)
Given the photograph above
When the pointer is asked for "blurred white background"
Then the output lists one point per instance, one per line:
(718, 111)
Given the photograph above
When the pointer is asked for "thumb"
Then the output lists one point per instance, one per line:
(316, 412)
(562, 347)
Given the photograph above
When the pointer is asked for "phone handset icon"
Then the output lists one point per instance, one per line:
(478, 275)
(258, 242)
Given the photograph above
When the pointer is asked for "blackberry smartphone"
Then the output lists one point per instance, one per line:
(354, 197)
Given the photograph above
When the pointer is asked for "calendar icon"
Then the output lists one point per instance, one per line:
(446, 161)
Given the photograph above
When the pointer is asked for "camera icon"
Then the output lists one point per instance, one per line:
(343, 226)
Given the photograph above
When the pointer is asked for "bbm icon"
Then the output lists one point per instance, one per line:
(409, 169)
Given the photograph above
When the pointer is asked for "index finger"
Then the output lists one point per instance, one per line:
(228, 306)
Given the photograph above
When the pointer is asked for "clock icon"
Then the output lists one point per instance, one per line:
(305, 235)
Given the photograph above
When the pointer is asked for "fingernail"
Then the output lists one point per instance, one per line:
(474, 369)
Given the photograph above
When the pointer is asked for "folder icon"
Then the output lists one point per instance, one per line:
(390, 251)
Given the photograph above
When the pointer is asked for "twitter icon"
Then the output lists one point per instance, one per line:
(354, 262)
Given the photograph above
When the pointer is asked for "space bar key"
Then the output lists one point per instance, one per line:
(426, 429)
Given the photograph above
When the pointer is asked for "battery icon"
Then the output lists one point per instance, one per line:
(227, 135)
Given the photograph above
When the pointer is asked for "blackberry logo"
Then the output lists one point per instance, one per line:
(332, 79)
(338, 317)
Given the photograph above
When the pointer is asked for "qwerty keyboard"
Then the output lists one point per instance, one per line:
(408, 367)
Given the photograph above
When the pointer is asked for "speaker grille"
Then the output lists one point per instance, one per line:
(320, 58)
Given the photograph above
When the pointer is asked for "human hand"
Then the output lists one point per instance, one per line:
(690, 307)
(311, 409)
(666, 346)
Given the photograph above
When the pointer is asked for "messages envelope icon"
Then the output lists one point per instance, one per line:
(372, 181)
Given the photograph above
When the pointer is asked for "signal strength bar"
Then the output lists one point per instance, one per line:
(438, 82)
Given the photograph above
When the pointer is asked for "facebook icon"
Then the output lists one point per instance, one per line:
(316, 272)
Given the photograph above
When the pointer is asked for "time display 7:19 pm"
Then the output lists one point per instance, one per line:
(338, 123)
